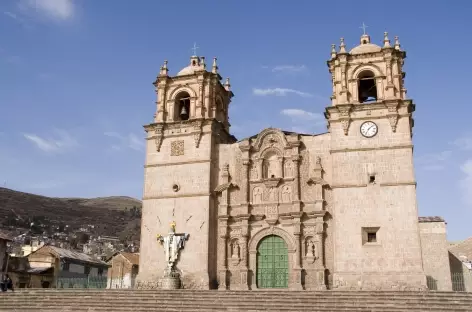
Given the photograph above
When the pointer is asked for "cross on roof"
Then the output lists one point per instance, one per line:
(364, 26)
(195, 49)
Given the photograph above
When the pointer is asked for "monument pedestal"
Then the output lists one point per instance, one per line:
(171, 280)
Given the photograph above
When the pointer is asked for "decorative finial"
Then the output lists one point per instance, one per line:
(386, 41)
(227, 85)
(164, 70)
(214, 67)
(397, 43)
(333, 51)
(172, 226)
(202, 62)
(342, 47)
(194, 49)
(364, 26)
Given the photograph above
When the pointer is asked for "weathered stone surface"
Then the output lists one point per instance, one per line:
(344, 202)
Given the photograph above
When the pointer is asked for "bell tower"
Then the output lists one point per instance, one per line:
(370, 121)
(181, 162)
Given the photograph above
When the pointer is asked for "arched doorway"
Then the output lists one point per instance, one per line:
(272, 263)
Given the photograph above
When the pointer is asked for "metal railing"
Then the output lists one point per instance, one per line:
(461, 282)
(79, 282)
(120, 283)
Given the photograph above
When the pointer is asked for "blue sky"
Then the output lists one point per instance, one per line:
(75, 84)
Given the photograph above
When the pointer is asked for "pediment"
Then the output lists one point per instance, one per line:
(271, 137)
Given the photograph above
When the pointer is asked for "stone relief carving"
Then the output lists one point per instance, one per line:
(235, 250)
(272, 195)
(254, 174)
(286, 194)
(393, 119)
(159, 131)
(197, 128)
(288, 169)
(257, 195)
(177, 148)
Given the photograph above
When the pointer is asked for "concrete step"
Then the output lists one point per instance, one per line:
(45, 300)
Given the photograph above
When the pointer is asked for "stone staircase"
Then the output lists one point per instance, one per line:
(78, 300)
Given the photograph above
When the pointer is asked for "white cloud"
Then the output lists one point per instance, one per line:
(292, 69)
(464, 143)
(433, 161)
(54, 9)
(304, 121)
(300, 114)
(466, 183)
(60, 143)
(279, 92)
(126, 141)
(11, 15)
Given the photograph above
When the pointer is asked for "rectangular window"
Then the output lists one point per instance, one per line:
(370, 235)
(65, 266)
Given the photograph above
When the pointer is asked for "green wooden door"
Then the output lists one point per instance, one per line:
(272, 263)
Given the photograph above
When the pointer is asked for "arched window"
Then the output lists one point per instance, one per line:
(182, 106)
(367, 88)
(270, 166)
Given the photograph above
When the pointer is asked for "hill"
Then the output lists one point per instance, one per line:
(113, 216)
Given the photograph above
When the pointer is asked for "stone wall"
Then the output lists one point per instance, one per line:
(435, 255)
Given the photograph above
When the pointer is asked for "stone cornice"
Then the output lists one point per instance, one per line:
(398, 183)
(363, 149)
(176, 163)
(177, 196)
(357, 185)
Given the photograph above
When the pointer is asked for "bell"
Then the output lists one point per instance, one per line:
(183, 111)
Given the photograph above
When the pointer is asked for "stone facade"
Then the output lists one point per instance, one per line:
(344, 202)
(434, 247)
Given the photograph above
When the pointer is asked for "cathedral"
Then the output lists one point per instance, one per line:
(280, 209)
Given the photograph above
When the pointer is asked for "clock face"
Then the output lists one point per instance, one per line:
(369, 129)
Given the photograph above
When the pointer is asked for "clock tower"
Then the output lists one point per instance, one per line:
(181, 170)
(370, 121)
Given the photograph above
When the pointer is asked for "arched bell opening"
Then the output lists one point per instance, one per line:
(182, 101)
(367, 87)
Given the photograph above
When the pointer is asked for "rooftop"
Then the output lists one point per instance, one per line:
(70, 254)
(462, 250)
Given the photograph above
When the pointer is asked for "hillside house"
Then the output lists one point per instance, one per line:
(4, 239)
(71, 269)
(460, 259)
(124, 267)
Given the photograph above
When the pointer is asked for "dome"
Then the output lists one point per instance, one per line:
(196, 64)
(189, 70)
(365, 48)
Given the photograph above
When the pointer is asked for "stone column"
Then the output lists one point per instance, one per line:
(280, 166)
(221, 256)
(245, 185)
(200, 99)
(296, 278)
(296, 184)
(258, 165)
(320, 267)
(244, 252)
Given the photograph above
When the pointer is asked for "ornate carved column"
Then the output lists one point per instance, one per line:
(296, 183)
(245, 185)
(258, 165)
(221, 256)
(244, 252)
(280, 167)
(200, 98)
(296, 274)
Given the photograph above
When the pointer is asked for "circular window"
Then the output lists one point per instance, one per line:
(175, 187)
